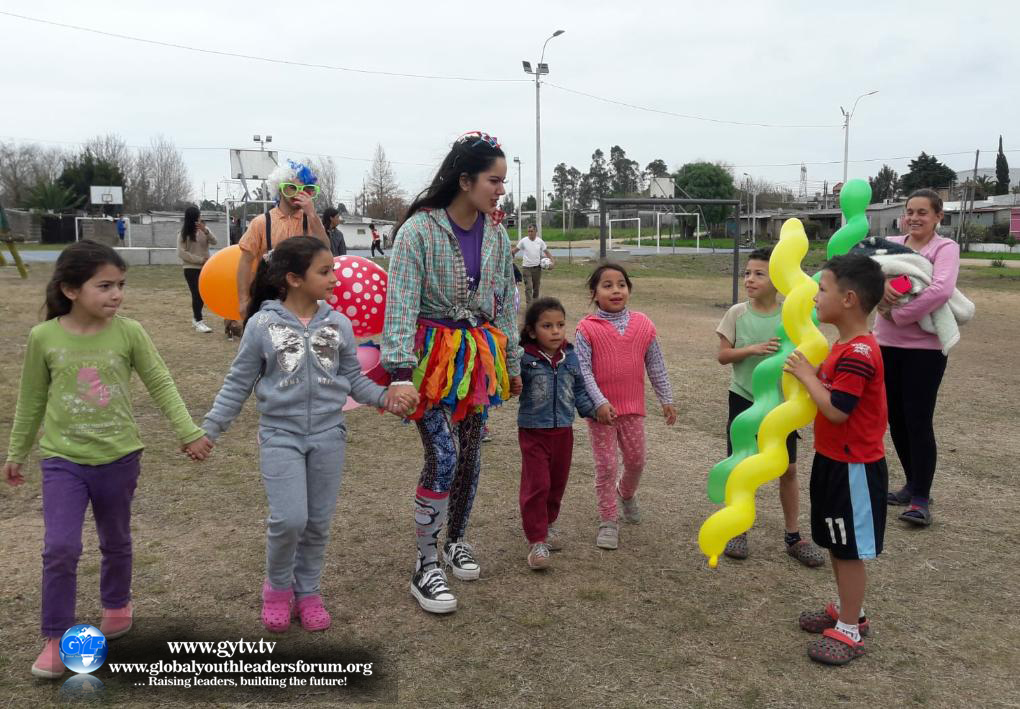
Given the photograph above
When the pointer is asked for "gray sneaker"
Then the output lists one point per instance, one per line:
(608, 536)
(631, 511)
(538, 557)
(553, 539)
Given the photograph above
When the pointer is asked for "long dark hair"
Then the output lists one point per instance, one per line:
(75, 265)
(469, 155)
(327, 217)
(191, 216)
(532, 315)
(292, 256)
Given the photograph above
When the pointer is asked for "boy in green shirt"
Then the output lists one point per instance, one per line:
(746, 337)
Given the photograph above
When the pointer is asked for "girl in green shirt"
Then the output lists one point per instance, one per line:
(75, 382)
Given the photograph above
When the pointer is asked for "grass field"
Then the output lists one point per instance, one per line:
(648, 624)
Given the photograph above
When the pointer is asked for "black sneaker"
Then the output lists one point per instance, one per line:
(461, 561)
(429, 588)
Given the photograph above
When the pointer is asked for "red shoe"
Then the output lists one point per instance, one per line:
(820, 621)
(312, 613)
(48, 665)
(276, 608)
(116, 621)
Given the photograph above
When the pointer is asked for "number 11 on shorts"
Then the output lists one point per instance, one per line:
(833, 523)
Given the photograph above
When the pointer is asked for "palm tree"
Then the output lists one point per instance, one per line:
(53, 197)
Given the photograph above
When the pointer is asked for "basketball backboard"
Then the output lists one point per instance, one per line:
(252, 164)
(103, 195)
(661, 187)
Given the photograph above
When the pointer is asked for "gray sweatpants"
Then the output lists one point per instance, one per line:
(302, 479)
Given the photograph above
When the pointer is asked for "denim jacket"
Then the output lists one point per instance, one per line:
(552, 393)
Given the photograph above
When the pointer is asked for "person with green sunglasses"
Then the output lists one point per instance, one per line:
(295, 188)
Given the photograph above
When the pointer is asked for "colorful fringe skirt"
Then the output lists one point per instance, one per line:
(461, 368)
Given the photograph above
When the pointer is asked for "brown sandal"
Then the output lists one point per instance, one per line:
(736, 548)
(834, 648)
(820, 621)
(806, 553)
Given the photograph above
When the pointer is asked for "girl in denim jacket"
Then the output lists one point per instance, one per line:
(553, 389)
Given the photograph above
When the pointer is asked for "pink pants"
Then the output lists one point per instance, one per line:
(628, 435)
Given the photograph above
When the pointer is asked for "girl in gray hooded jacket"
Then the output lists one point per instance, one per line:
(300, 358)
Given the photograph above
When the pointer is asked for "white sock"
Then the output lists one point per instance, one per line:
(849, 630)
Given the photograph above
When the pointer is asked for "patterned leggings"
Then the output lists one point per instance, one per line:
(449, 478)
(626, 435)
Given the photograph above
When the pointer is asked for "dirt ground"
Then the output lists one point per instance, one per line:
(648, 624)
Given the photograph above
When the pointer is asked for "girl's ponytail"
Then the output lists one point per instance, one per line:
(261, 290)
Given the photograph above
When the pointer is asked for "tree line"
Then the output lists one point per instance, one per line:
(927, 171)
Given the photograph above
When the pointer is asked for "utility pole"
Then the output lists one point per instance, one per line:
(540, 69)
(963, 205)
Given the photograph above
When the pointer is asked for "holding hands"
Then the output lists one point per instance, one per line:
(606, 414)
(198, 450)
(401, 399)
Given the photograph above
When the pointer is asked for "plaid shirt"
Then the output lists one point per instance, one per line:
(427, 279)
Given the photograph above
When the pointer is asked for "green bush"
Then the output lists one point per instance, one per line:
(998, 233)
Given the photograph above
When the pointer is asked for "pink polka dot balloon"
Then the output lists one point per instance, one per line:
(360, 293)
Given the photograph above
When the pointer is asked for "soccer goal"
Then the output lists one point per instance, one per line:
(658, 228)
(79, 233)
(624, 219)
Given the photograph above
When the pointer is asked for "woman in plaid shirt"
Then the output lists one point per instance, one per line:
(450, 336)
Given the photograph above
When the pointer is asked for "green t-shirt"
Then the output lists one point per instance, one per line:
(742, 326)
(77, 386)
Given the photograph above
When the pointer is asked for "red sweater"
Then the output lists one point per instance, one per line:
(618, 360)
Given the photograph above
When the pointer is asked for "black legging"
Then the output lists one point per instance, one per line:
(912, 379)
(377, 245)
(191, 276)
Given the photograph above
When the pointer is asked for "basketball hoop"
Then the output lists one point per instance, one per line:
(107, 198)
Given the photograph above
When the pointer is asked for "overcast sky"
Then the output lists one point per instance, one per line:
(948, 76)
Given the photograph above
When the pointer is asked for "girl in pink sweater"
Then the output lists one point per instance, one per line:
(615, 347)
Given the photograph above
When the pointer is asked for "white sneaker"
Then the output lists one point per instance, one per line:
(538, 557)
(201, 326)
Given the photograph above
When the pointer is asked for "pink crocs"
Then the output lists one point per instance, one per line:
(312, 613)
(276, 607)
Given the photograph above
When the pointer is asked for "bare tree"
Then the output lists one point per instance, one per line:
(110, 148)
(158, 178)
(25, 166)
(383, 196)
(325, 169)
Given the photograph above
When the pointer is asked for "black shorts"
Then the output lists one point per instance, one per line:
(739, 405)
(848, 507)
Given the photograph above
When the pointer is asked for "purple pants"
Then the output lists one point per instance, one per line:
(67, 490)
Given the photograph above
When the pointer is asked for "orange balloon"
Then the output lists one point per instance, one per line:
(217, 283)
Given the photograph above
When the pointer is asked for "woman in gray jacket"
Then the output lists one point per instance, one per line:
(193, 250)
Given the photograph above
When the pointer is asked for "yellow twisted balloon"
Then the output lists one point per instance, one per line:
(796, 412)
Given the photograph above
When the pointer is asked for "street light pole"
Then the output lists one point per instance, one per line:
(542, 68)
(846, 134)
(520, 196)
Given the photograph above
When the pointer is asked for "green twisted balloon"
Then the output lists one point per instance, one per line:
(854, 199)
(744, 429)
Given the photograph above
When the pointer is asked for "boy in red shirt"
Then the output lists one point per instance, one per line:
(849, 480)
